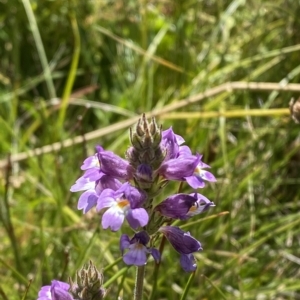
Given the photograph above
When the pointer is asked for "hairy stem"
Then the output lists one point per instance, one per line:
(139, 283)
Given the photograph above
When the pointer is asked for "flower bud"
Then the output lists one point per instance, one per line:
(295, 109)
(145, 139)
(88, 284)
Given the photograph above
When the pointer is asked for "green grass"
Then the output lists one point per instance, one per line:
(70, 68)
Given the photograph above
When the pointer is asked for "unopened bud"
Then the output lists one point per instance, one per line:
(295, 109)
(88, 284)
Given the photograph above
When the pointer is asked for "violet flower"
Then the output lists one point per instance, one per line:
(199, 175)
(170, 143)
(58, 290)
(123, 203)
(188, 262)
(89, 198)
(184, 244)
(201, 205)
(179, 168)
(115, 166)
(183, 206)
(176, 206)
(138, 251)
(100, 164)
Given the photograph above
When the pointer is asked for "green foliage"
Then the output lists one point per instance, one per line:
(134, 57)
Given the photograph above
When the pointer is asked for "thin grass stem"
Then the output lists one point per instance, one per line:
(40, 48)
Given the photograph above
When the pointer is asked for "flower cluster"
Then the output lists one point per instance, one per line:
(125, 189)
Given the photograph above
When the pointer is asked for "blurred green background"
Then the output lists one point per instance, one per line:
(72, 67)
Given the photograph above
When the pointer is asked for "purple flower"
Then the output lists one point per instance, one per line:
(92, 166)
(202, 204)
(124, 202)
(115, 166)
(58, 290)
(90, 197)
(186, 167)
(196, 180)
(82, 184)
(138, 251)
(179, 168)
(170, 143)
(188, 262)
(184, 244)
(100, 164)
(183, 206)
(176, 206)
(181, 241)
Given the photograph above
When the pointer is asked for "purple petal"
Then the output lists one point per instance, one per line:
(115, 166)
(57, 291)
(202, 204)
(44, 293)
(203, 165)
(188, 262)
(137, 255)
(107, 182)
(137, 217)
(182, 241)
(113, 218)
(56, 283)
(178, 169)
(82, 184)
(195, 182)
(156, 254)
(135, 197)
(179, 139)
(169, 144)
(90, 162)
(207, 176)
(142, 237)
(106, 199)
(93, 174)
(124, 242)
(176, 206)
(87, 200)
(184, 151)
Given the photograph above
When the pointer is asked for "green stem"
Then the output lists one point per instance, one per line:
(139, 283)
(5, 217)
(40, 48)
(72, 74)
(156, 269)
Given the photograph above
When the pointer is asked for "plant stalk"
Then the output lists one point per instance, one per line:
(139, 283)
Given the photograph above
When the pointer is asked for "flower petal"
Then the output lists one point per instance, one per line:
(182, 241)
(188, 262)
(87, 200)
(137, 255)
(176, 206)
(90, 162)
(113, 218)
(156, 254)
(207, 176)
(82, 184)
(137, 217)
(195, 182)
(124, 242)
(106, 199)
(115, 166)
